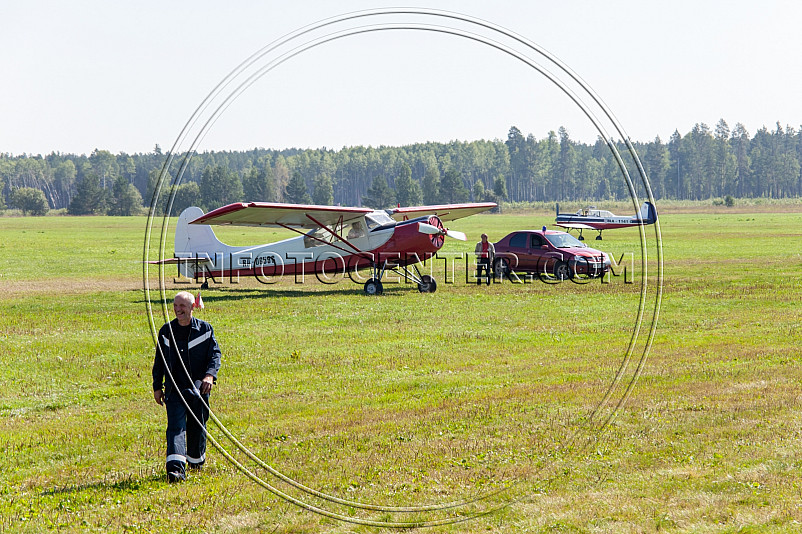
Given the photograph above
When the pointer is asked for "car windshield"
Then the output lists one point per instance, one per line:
(564, 241)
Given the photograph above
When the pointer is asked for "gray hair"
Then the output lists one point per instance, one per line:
(185, 295)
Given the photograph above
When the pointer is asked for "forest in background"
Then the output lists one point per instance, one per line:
(702, 164)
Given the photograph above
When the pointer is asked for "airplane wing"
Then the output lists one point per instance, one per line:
(578, 226)
(280, 215)
(446, 212)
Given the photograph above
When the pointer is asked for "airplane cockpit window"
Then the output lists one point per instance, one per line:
(378, 219)
(318, 237)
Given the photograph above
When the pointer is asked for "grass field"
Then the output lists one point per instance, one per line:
(508, 401)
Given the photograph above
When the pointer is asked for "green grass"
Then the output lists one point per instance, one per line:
(409, 399)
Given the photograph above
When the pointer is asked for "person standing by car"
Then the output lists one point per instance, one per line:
(485, 253)
(188, 356)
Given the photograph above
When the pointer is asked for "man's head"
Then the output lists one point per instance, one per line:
(484, 238)
(182, 306)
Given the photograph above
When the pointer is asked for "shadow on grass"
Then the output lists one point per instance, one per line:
(125, 484)
(223, 294)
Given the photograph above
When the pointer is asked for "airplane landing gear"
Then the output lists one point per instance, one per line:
(427, 284)
(373, 287)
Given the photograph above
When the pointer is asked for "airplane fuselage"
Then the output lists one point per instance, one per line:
(601, 223)
(596, 219)
(394, 244)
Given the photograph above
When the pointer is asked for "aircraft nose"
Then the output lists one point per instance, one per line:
(436, 229)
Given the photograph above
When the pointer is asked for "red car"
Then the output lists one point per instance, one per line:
(549, 254)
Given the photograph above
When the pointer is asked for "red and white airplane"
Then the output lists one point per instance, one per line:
(594, 219)
(332, 240)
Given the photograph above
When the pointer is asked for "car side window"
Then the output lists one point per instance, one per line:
(537, 241)
(518, 240)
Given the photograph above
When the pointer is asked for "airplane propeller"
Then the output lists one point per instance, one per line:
(456, 235)
(433, 230)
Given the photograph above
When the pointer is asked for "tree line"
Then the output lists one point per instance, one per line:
(702, 164)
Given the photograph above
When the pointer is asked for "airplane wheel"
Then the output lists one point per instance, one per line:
(373, 287)
(427, 284)
(598, 238)
(562, 271)
(581, 238)
(501, 268)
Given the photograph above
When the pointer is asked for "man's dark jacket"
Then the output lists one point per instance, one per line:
(200, 354)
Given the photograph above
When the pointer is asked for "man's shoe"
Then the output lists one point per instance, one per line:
(175, 477)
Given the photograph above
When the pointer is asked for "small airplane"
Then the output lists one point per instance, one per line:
(332, 240)
(594, 219)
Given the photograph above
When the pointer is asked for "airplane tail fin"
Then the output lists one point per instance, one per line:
(648, 213)
(192, 239)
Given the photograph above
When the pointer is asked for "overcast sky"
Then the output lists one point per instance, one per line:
(123, 76)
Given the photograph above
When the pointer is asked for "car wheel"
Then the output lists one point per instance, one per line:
(501, 268)
(562, 271)
(427, 284)
(373, 287)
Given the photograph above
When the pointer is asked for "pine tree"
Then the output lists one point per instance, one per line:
(723, 161)
(259, 184)
(186, 195)
(518, 149)
(89, 197)
(322, 190)
(379, 195)
(566, 165)
(452, 189)
(656, 163)
(219, 186)
(479, 191)
(431, 185)
(500, 187)
(296, 191)
(125, 200)
(740, 146)
(408, 191)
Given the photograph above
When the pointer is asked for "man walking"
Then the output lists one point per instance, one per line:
(188, 356)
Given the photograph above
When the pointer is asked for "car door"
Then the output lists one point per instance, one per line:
(518, 252)
(539, 256)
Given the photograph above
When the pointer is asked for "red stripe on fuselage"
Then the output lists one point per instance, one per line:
(407, 246)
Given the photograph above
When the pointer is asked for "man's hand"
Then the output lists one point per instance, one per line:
(158, 396)
(206, 384)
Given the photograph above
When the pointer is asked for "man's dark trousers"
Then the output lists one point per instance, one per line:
(186, 439)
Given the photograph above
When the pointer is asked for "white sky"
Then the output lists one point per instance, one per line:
(123, 76)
